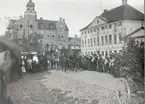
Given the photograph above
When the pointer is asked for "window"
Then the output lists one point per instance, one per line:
(94, 30)
(102, 28)
(120, 37)
(91, 31)
(115, 25)
(98, 52)
(21, 26)
(106, 27)
(31, 26)
(98, 41)
(98, 29)
(61, 36)
(102, 53)
(82, 43)
(115, 38)
(106, 40)
(110, 26)
(53, 36)
(106, 53)
(48, 35)
(88, 31)
(82, 33)
(102, 38)
(85, 42)
(98, 21)
(85, 32)
(110, 39)
(88, 42)
(119, 24)
(94, 41)
(91, 42)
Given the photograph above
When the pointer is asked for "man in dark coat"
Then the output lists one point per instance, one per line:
(10, 67)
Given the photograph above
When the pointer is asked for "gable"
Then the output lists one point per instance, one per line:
(97, 21)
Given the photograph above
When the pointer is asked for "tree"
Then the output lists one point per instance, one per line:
(131, 61)
(12, 31)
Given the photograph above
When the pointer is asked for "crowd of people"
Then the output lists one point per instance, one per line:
(94, 62)
(113, 63)
(34, 62)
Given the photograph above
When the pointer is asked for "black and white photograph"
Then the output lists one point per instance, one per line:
(72, 51)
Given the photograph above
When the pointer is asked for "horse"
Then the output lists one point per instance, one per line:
(10, 67)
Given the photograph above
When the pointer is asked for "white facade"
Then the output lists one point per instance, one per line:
(103, 37)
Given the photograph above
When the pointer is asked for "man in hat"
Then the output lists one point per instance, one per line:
(10, 67)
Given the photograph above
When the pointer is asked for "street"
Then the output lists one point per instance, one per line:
(57, 87)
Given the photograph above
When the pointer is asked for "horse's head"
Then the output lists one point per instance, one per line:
(10, 64)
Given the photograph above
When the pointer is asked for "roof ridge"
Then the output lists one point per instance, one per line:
(46, 20)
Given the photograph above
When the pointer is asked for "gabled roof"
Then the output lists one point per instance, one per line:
(48, 25)
(135, 31)
(123, 12)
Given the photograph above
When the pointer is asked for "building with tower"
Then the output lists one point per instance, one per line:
(38, 32)
(105, 33)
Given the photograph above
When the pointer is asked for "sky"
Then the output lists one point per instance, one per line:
(77, 13)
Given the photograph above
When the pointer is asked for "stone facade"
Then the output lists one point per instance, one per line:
(46, 32)
(104, 34)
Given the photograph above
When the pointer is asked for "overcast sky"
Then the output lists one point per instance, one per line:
(77, 13)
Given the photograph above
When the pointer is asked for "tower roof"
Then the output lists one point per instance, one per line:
(30, 3)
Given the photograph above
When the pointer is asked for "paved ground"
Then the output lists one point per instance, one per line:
(57, 87)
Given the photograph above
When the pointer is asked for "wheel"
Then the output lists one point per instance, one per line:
(122, 91)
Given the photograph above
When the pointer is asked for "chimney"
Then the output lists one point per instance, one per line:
(105, 10)
(124, 2)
